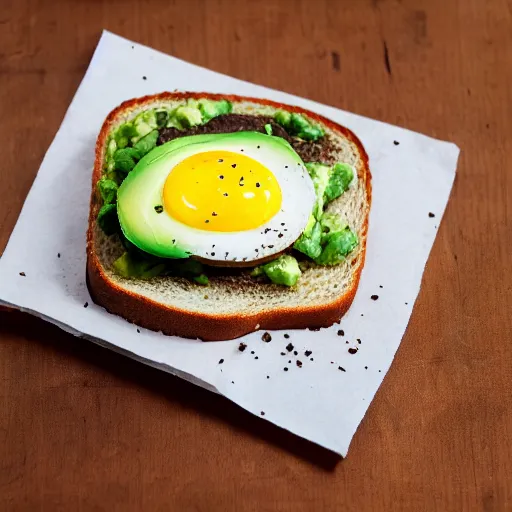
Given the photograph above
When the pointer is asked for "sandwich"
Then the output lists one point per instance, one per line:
(213, 216)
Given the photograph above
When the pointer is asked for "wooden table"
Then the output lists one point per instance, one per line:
(84, 429)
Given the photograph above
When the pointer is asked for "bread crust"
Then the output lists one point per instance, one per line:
(212, 327)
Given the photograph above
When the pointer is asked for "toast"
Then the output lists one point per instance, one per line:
(233, 304)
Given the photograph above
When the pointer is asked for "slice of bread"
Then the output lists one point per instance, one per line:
(232, 305)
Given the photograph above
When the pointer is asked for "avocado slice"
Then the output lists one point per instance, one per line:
(142, 217)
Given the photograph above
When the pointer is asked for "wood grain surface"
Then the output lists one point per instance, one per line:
(84, 429)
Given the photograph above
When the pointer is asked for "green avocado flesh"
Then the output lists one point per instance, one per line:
(135, 167)
(139, 198)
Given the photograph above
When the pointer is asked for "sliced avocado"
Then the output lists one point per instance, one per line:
(143, 218)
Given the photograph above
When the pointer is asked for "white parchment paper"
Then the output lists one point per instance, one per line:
(412, 176)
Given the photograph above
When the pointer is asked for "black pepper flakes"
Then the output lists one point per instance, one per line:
(22, 274)
(374, 297)
(159, 208)
(258, 185)
(307, 353)
(286, 336)
(295, 353)
(359, 341)
(380, 286)
(299, 363)
(226, 255)
(256, 357)
(395, 142)
(220, 160)
(268, 376)
(242, 347)
(270, 246)
(289, 347)
(285, 369)
(225, 194)
(233, 165)
(58, 255)
(213, 254)
(352, 350)
(221, 361)
(221, 177)
(262, 413)
(311, 359)
(431, 215)
(252, 352)
(266, 337)
(341, 332)
(138, 330)
(86, 305)
(341, 369)
(366, 367)
(214, 214)
(282, 224)
(283, 353)
(144, 78)
(206, 221)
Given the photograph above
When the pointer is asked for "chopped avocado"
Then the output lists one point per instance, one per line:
(185, 268)
(162, 116)
(188, 116)
(143, 124)
(129, 265)
(331, 223)
(124, 134)
(257, 271)
(147, 143)
(338, 246)
(339, 180)
(125, 159)
(107, 219)
(283, 118)
(298, 125)
(284, 270)
(320, 175)
(210, 109)
(301, 127)
(108, 190)
(202, 280)
(268, 129)
(309, 243)
(111, 147)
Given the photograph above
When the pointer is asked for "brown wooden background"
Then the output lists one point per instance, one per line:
(84, 429)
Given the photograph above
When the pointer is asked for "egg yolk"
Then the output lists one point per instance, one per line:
(221, 191)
